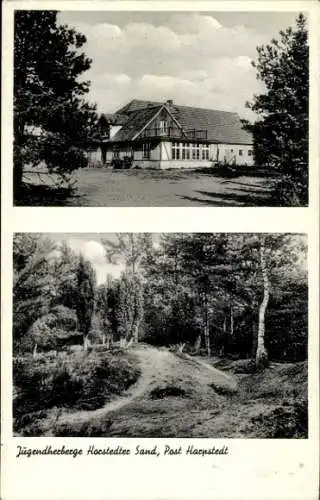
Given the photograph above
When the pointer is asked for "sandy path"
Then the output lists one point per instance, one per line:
(156, 365)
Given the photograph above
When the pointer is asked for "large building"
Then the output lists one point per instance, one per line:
(165, 135)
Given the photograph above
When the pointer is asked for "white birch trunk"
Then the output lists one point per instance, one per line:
(135, 333)
(261, 353)
(86, 342)
(34, 352)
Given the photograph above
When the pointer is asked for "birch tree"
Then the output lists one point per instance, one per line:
(130, 249)
(261, 353)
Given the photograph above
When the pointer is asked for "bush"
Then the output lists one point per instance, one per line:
(77, 380)
(286, 421)
(122, 163)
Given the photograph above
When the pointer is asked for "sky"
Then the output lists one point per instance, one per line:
(90, 246)
(194, 58)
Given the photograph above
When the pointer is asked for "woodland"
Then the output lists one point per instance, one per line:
(201, 335)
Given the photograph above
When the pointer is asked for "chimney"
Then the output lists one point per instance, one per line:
(169, 102)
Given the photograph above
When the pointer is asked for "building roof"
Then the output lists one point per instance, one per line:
(136, 121)
(221, 126)
(113, 118)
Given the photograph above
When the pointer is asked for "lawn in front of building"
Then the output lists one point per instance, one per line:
(99, 187)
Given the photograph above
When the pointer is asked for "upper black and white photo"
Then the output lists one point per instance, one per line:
(160, 108)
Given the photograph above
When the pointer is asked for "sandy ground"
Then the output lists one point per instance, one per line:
(159, 368)
(145, 188)
(185, 396)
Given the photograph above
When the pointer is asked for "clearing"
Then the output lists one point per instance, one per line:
(97, 187)
(183, 396)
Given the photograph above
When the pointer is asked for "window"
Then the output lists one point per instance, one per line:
(249, 152)
(189, 151)
(240, 152)
(146, 150)
(205, 152)
(163, 127)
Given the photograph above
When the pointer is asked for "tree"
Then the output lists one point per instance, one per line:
(107, 304)
(133, 249)
(86, 283)
(52, 121)
(281, 132)
(261, 353)
(33, 282)
(130, 310)
(64, 270)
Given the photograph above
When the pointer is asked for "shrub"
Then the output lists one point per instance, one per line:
(77, 380)
(290, 420)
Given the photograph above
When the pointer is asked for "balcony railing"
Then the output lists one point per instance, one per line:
(175, 133)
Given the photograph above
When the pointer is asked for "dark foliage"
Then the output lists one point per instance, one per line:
(52, 121)
(78, 382)
(281, 132)
(284, 422)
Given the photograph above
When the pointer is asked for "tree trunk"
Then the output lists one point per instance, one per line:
(206, 329)
(181, 347)
(129, 344)
(197, 345)
(231, 318)
(135, 333)
(17, 178)
(207, 338)
(34, 352)
(261, 353)
(85, 342)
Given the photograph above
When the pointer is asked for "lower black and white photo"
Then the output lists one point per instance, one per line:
(171, 335)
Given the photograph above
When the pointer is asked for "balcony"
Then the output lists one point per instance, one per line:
(176, 133)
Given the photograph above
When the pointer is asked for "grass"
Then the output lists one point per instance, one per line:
(107, 187)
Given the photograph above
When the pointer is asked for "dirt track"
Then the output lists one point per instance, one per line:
(199, 384)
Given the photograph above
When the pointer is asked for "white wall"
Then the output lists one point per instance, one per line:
(221, 151)
(185, 164)
(230, 154)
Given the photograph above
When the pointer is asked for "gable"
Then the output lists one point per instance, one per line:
(219, 126)
(135, 123)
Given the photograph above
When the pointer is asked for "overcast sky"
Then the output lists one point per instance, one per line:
(197, 59)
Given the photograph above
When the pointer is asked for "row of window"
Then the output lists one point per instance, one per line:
(240, 152)
(189, 151)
